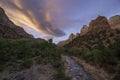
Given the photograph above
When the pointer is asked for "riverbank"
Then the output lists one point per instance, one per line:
(75, 71)
(97, 73)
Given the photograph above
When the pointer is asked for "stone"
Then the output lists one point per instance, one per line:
(77, 35)
(99, 23)
(71, 37)
(114, 22)
(17, 76)
(84, 30)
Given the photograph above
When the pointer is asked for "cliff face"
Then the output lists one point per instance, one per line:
(9, 30)
(100, 22)
(22, 33)
(71, 37)
(77, 35)
(62, 43)
(84, 30)
(115, 22)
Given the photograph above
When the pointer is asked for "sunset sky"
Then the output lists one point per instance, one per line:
(57, 19)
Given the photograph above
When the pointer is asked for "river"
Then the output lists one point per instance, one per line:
(77, 72)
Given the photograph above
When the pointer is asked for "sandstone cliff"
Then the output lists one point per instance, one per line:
(114, 22)
(77, 35)
(71, 37)
(98, 34)
(84, 30)
(99, 23)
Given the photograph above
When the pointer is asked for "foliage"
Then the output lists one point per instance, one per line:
(97, 55)
(26, 63)
(61, 74)
(50, 40)
(11, 50)
(20, 54)
(86, 53)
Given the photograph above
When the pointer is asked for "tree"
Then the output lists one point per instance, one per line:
(50, 40)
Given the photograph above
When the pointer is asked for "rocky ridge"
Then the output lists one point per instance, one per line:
(99, 24)
(84, 30)
(71, 37)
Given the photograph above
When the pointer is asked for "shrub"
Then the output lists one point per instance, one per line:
(1, 68)
(61, 75)
(97, 55)
(25, 51)
(26, 63)
(86, 54)
(111, 34)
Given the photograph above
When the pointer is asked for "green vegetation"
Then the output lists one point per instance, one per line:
(61, 74)
(17, 55)
(99, 57)
(11, 50)
(26, 63)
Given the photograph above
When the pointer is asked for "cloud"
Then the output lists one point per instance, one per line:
(36, 14)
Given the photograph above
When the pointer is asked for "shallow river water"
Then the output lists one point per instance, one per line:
(76, 71)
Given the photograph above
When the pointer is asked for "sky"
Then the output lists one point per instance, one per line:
(57, 19)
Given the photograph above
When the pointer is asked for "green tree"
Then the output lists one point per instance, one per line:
(50, 40)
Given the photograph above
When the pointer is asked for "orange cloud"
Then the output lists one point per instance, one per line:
(36, 16)
(18, 4)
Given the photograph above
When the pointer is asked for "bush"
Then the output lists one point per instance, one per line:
(97, 55)
(26, 63)
(1, 68)
(24, 51)
(104, 56)
(86, 54)
(61, 75)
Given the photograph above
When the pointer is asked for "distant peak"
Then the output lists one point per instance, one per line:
(99, 23)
